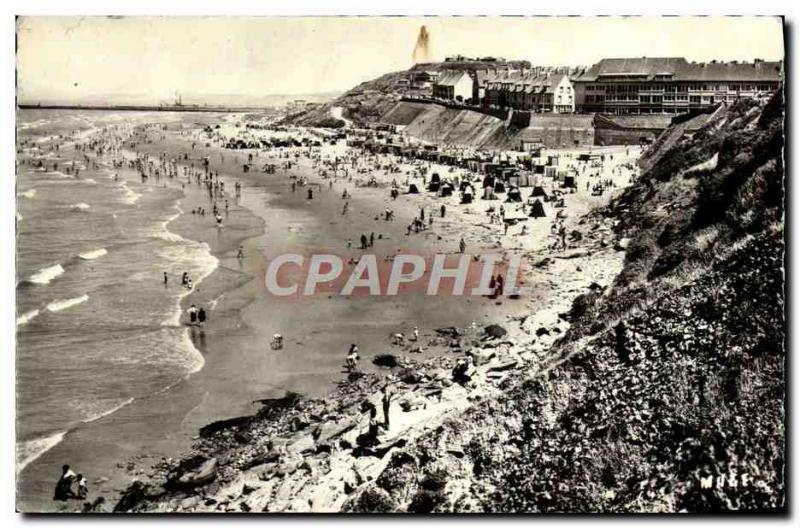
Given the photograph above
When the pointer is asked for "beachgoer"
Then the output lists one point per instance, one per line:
(386, 400)
(83, 490)
(442, 210)
(192, 311)
(201, 317)
(351, 361)
(240, 253)
(64, 484)
(462, 246)
(165, 278)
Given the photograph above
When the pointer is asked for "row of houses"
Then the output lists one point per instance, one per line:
(643, 85)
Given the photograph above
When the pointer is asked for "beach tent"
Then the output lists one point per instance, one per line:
(467, 196)
(569, 181)
(446, 189)
(488, 181)
(433, 186)
(538, 192)
(499, 186)
(412, 189)
(464, 184)
(537, 210)
(514, 195)
(488, 194)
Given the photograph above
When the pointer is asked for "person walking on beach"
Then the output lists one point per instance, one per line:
(166, 279)
(462, 246)
(363, 241)
(240, 253)
(351, 362)
(386, 400)
(372, 239)
(201, 317)
(442, 210)
(192, 311)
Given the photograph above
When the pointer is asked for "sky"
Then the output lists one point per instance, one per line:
(208, 59)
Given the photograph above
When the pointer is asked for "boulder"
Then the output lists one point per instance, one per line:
(494, 331)
(201, 475)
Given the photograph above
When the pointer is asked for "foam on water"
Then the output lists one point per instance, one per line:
(27, 194)
(131, 196)
(57, 306)
(96, 414)
(27, 317)
(29, 451)
(94, 254)
(46, 275)
(79, 206)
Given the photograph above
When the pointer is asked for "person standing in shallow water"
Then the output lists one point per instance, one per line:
(201, 316)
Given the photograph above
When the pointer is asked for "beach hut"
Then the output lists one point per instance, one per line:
(514, 195)
(537, 210)
(412, 189)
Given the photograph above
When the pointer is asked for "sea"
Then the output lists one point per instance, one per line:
(96, 325)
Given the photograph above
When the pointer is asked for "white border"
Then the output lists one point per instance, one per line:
(321, 7)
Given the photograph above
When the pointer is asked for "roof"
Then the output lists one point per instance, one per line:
(451, 77)
(679, 69)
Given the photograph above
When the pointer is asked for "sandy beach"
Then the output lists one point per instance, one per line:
(268, 219)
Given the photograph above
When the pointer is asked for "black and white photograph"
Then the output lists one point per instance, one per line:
(399, 264)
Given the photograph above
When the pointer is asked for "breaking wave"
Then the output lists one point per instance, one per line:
(46, 275)
(57, 306)
(29, 451)
(94, 254)
(27, 317)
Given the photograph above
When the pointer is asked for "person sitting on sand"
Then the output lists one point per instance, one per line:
(64, 484)
(83, 490)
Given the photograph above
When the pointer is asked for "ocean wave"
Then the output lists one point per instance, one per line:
(29, 451)
(57, 306)
(131, 196)
(45, 275)
(27, 317)
(96, 415)
(27, 194)
(79, 206)
(94, 254)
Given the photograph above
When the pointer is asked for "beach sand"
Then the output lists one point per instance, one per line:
(239, 365)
